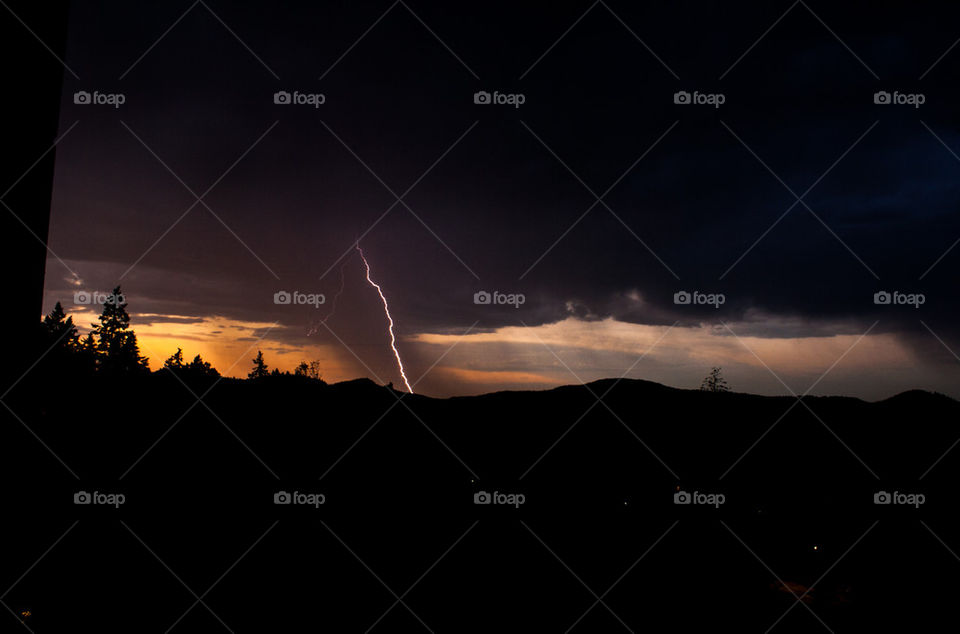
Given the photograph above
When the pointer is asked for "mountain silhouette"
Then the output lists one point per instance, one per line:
(401, 473)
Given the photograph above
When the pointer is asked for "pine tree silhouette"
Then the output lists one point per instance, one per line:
(116, 343)
(199, 367)
(714, 382)
(259, 367)
(175, 362)
(59, 329)
(310, 370)
(88, 353)
(196, 368)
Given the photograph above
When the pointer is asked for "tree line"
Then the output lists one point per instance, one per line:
(111, 348)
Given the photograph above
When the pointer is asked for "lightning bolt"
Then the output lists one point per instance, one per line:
(386, 309)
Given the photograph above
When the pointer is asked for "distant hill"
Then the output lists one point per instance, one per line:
(400, 474)
(642, 438)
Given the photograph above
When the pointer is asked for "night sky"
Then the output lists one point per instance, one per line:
(598, 199)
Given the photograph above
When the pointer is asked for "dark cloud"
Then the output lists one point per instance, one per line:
(500, 204)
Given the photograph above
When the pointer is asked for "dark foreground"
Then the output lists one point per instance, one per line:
(399, 542)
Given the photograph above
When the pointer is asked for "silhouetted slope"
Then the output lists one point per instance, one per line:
(643, 437)
(400, 471)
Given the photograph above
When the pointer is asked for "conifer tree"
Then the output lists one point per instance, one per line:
(60, 330)
(259, 367)
(199, 367)
(714, 382)
(175, 362)
(116, 342)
